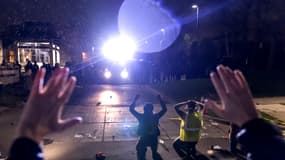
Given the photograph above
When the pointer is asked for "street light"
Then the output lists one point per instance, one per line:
(124, 74)
(119, 49)
(195, 6)
(107, 74)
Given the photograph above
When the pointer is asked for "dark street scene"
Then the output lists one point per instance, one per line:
(142, 80)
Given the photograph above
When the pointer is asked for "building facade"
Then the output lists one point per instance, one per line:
(31, 41)
(41, 52)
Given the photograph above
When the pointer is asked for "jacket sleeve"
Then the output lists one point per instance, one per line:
(262, 140)
(24, 148)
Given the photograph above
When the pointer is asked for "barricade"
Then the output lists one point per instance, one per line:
(9, 75)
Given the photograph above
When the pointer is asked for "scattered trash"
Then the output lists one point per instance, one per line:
(79, 135)
(216, 147)
(100, 156)
(163, 145)
(161, 141)
(217, 152)
(91, 136)
(86, 135)
(214, 123)
(204, 134)
(3, 157)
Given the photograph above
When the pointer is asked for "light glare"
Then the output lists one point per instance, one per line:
(107, 74)
(120, 49)
(124, 74)
(109, 97)
(195, 6)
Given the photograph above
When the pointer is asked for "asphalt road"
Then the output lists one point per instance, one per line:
(104, 109)
(109, 127)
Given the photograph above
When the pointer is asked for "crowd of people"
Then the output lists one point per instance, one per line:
(30, 69)
(43, 111)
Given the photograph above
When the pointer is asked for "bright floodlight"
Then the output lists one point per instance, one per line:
(107, 74)
(194, 6)
(119, 49)
(124, 74)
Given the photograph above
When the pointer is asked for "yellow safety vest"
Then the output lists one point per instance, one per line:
(190, 127)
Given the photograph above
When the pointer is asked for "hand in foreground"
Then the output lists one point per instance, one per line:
(237, 102)
(43, 110)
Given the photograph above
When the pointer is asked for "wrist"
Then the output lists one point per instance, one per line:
(30, 133)
(248, 119)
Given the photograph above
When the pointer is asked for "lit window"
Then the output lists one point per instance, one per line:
(11, 56)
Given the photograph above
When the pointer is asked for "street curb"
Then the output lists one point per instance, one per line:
(227, 122)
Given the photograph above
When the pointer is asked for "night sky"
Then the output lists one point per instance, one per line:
(82, 24)
(74, 20)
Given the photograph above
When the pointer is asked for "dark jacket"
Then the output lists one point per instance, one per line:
(25, 149)
(262, 140)
(148, 124)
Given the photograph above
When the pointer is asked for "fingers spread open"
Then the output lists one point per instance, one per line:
(56, 82)
(64, 95)
(240, 77)
(62, 81)
(227, 78)
(214, 107)
(67, 90)
(58, 79)
(38, 82)
(51, 82)
(219, 86)
(234, 84)
(65, 124)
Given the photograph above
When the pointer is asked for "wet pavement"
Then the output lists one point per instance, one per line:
(115, 123)
(109, 127)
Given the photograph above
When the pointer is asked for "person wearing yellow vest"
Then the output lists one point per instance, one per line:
(190, 129)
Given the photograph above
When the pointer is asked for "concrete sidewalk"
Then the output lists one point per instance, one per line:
(66, 148)
(275, 110)
(274, 113)
(122, 150)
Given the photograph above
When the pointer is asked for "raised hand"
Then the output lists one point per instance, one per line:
(43, 110)
(237, 102)
(136, 97)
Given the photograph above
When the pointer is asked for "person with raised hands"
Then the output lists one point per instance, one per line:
(42, 114)
(190, 128)
(148, 128)
(261, 139)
